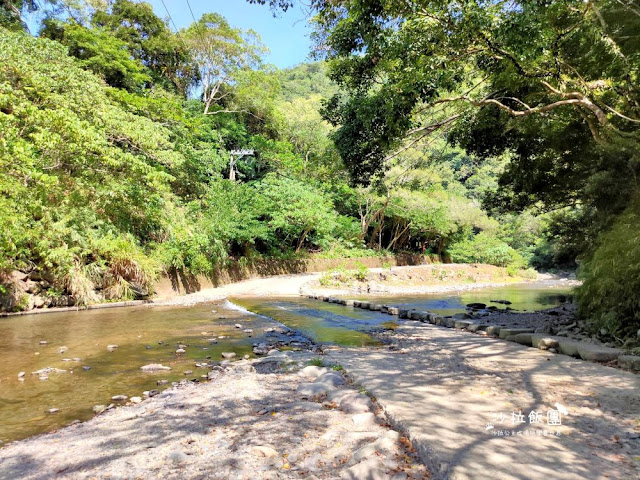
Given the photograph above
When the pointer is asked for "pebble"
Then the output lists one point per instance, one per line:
(21, 374)
(43, 342)
(119, 398)
(111, 348)
(53, 410)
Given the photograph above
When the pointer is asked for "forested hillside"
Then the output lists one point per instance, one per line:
(117, 133)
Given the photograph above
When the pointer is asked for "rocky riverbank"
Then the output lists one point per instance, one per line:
(274, 417)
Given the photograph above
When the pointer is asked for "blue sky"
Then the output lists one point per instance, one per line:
(287, 35)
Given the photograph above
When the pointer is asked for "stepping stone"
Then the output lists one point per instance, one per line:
(545, 342)
(495, 330)
(523, 339)
(632, 362)
(393, 310)
(462, 324)
(477, 327)
(507, 332)
(568, 347)
(597, 353)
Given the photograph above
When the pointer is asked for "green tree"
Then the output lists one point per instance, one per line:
(221, 52)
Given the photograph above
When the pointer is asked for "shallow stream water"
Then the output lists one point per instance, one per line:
(147, 335)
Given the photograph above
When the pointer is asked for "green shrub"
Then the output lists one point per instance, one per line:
(484, 248)
(609, 296)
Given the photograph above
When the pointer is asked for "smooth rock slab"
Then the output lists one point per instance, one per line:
(597, 353)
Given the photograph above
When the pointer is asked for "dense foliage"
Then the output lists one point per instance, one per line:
(552, 85)
(116, 137)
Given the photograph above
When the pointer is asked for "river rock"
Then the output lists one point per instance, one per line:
(247, 330)
(311, 390)
(461, 316)
(632, 362)
(188, 372)
(503, 302)
(21, 374)
(162, 382)
(53, 410)
(136, 400)
(86, 368)
(228, 355)
(98, 409)
(154, 367)
(331, 378)
(111, 348)
(43, 342)
(264, 451)
(544, 342)
(119, 398)
(597, 353)
(238, 325)
(180, 351)
(370, 469)
(568, 347)
(355, 403)
(312, 372)
(477, 306)
(48, 370)
(507, 332)
(153, 392)
(62, 349)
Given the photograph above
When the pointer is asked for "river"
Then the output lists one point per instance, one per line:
(145, 335)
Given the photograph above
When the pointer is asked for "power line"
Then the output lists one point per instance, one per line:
(192, 15)
(170, 18)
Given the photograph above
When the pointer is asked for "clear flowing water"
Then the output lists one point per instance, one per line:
(24, 404)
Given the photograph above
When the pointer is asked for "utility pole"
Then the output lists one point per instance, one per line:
(232, 161)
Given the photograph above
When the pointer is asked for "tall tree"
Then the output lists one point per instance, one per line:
(222, 53)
